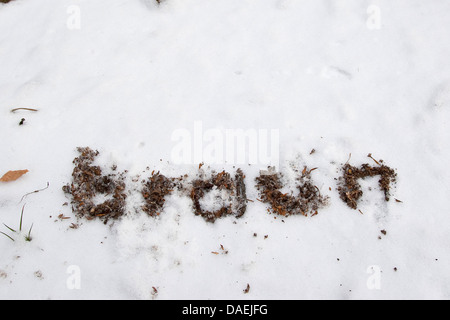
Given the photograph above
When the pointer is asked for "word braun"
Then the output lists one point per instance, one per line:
(213, 194)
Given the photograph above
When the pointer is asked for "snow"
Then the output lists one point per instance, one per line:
(341, 77)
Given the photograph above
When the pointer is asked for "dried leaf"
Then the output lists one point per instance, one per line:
(13, 175)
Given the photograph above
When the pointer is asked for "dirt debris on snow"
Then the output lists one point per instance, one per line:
(226, 193)
(236, 199)
(88, 182)
(307, 202)
(155, 189)
(350, 190)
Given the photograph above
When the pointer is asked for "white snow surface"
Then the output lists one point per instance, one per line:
(318, 71)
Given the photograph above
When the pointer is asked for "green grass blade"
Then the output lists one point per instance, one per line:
(21, 217)
(28, 238)
(9, 227)
(7, 235)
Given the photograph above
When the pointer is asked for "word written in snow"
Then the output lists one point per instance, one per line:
(226, 192)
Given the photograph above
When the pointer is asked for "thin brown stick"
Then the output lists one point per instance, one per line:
(370, 156)
(28, 109)
(312, 170)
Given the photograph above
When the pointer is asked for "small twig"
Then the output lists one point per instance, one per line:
(318, 190)
(62, 217)
(370, 156)
(28, 109)
(312, 170)
(35, 191)
(349, 157)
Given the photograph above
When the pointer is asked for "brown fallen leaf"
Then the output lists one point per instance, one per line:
(13, 175)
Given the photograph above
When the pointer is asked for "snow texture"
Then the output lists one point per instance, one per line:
(120, 76)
